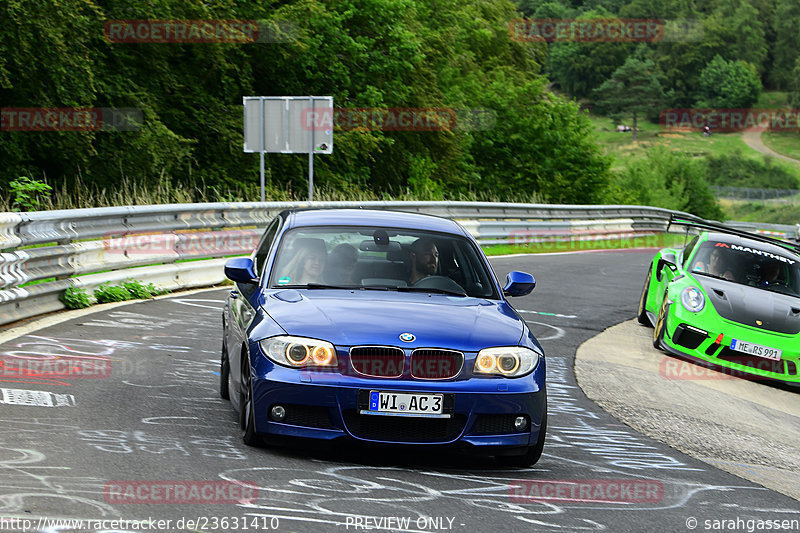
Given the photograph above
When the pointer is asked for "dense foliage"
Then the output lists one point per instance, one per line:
(736, 170)
(365, 53)
(665, 179)
(759, 36)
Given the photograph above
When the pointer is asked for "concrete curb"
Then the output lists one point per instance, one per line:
(743, 427)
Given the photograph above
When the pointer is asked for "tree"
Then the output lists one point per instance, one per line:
(735, 31)
(729, 84)
(580, 67)
(794, 87)
(633, 88)
(787, 41)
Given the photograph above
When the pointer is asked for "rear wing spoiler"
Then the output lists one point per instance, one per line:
(690, 221)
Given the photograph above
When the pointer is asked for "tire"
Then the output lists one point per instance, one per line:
(641, 315)
(224, 373)
(531, 455)
(661, 323)
(246, 417)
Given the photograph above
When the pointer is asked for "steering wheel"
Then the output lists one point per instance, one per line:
(443, 283)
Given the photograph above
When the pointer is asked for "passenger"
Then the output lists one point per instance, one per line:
(424, 259)
(308, 262)
(770, 273)
(717, 265)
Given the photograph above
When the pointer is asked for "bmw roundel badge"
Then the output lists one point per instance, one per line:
(407, 337)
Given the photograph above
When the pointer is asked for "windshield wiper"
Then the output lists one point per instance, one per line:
(710, 275)
(326, 286)
(431, 289)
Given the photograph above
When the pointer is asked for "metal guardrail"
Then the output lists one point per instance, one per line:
(44, 253)
(749, 194)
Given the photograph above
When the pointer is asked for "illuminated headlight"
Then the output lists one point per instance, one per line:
(299, 352)
(692, 299)
(511, 361)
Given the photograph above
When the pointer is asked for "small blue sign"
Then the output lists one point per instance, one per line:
(373, 400)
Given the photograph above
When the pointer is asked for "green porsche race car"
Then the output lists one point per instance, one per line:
(728, 299)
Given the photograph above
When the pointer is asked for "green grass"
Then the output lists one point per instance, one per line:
(785, 143)
(622, 147)
(770, 213)
(773, 100)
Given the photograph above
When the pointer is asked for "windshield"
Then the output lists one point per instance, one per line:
(380, 259)
(748, 265)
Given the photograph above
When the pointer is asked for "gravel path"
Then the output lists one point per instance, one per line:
(753, 140)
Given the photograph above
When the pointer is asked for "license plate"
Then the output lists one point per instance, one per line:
(756, 349)
(406, 404)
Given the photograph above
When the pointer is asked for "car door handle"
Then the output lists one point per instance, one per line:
(234, 294)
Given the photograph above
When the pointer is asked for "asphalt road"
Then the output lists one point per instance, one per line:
(151, 416)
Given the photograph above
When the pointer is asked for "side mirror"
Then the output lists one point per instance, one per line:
(667, 260)
(241, 270)
(518, 284)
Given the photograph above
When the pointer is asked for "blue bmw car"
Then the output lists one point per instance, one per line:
(382, 327)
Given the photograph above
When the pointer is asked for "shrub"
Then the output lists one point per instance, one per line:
(111, 293)
(28, 193)
(75, 298)
(139, 291)
(665, 179)
(736, 170)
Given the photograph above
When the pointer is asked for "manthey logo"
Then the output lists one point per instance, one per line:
(407, 337)
(762, 253)
(721, 245)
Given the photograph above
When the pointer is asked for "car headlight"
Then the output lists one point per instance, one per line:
(299, 352)
(692, 299)
(508, 361)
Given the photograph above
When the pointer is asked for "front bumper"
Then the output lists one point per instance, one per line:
(690, 336)
(327, 405)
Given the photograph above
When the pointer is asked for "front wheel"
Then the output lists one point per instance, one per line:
(641, 316)
(246, 417)
(531, 456)
(661, 323)
(224, 373)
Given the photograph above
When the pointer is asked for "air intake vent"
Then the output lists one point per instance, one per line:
(436, 364)
(377, 361)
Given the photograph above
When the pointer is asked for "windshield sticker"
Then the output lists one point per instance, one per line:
(284, 280)
(762, 253)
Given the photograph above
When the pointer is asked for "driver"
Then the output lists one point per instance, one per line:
(424, 259)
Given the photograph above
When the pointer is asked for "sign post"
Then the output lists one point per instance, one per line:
(288, 125)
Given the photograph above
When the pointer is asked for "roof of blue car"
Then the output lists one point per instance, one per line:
(372, 217)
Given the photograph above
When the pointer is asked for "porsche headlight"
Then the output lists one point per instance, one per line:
(510, 361)
(692, 299)
(299, 352)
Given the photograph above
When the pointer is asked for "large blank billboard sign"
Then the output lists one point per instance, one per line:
(288, 124)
